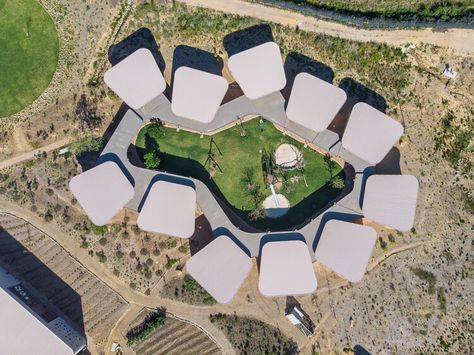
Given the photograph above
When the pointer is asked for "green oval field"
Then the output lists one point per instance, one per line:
(29, 52)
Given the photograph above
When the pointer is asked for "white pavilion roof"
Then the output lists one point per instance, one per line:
(286, 269)
(346, 248)
(23, 333)
(197, 94)
(258, 70)
(221, 268)
(314, 102)
(391, 200)
(102, 191)
(169, 209)
(137, 79)
(370, 134)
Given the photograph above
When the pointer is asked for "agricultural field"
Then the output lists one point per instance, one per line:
(175, 337)
(30, 50)
(39, 261)
(238, 153)
(422, 9)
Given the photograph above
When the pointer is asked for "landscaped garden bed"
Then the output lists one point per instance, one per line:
(238, 165)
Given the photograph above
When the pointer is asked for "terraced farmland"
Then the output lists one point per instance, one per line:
(42, 264)
(177, 337)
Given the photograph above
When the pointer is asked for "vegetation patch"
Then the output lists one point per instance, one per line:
(28, 56)
(427, 276)
(252, 336)
(238, 165)
(152, 322)
(187, 290)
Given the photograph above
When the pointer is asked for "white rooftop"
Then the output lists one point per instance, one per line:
(137, 79)
(346, 248)
(169, 209)
(258, 70)
(221, 268)
(102, 191)
(370, 134)
(391, 200)
(286, 269)
(314, 102)
(197, 95)
(22, 333)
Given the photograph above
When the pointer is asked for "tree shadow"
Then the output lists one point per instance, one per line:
(356, 92)
(247, 38)
(141, 38)
(197, 59)
(296, 63)
(47, 295)
(202, 235)
(390, 165)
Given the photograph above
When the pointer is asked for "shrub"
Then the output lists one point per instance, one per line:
(101, 256)
(98, 230)
(103, 241)
(152, 322)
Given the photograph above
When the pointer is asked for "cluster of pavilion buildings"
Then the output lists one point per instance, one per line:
(285, 264)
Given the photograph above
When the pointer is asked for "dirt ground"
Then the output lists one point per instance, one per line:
(393, 310)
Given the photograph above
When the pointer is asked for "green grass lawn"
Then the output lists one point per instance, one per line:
(185, 153)
(29, 52)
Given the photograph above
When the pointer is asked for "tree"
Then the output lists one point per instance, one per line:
(152, 159)
(337, 183)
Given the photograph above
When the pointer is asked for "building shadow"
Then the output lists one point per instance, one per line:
(202, 235)
(347, 217)
(141, 38)
(390, 165)
(365, 175)
(247, 38)
(356, 92)
(48, 295)
(296, 63)
(197, 59)
(222, 231)
(114, 158)
(360, 350)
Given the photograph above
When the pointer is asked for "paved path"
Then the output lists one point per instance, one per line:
(31, 154)
(460, 40)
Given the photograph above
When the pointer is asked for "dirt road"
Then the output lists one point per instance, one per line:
(460, 40)
(32, 153)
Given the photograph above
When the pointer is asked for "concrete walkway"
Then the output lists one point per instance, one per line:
(271, 108)
(458, 39)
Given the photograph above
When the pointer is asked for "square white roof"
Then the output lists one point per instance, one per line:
(258, 70)
(370, 134)
(137, 79)
(391, 200)
(286, 269)
(22, 333)
(102, 191)
(346, 248)
(221, 268)
(169, 209)
(314, 102)
(197, 94)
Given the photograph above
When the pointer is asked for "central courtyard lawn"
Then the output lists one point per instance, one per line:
(186, 153)
(29, 52)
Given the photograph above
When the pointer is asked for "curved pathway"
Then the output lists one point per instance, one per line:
(458, 39)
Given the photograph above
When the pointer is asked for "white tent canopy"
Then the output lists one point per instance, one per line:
(221, 268)
(391, 200)
(346, 248)
(258, 70)
(370, 134)
(102, 191)
(169, 209)
(137, 79)
(286, 269)
(313, 102)
(197, 95)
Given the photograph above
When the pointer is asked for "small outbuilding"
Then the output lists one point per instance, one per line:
(370, 134)
(137, 79)
(221, 267)
(102, 191)
(169, 209)
(197, 94)
(345, 248)
(259, 70)
(286, 269)
(391, 200)
(314, 102)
